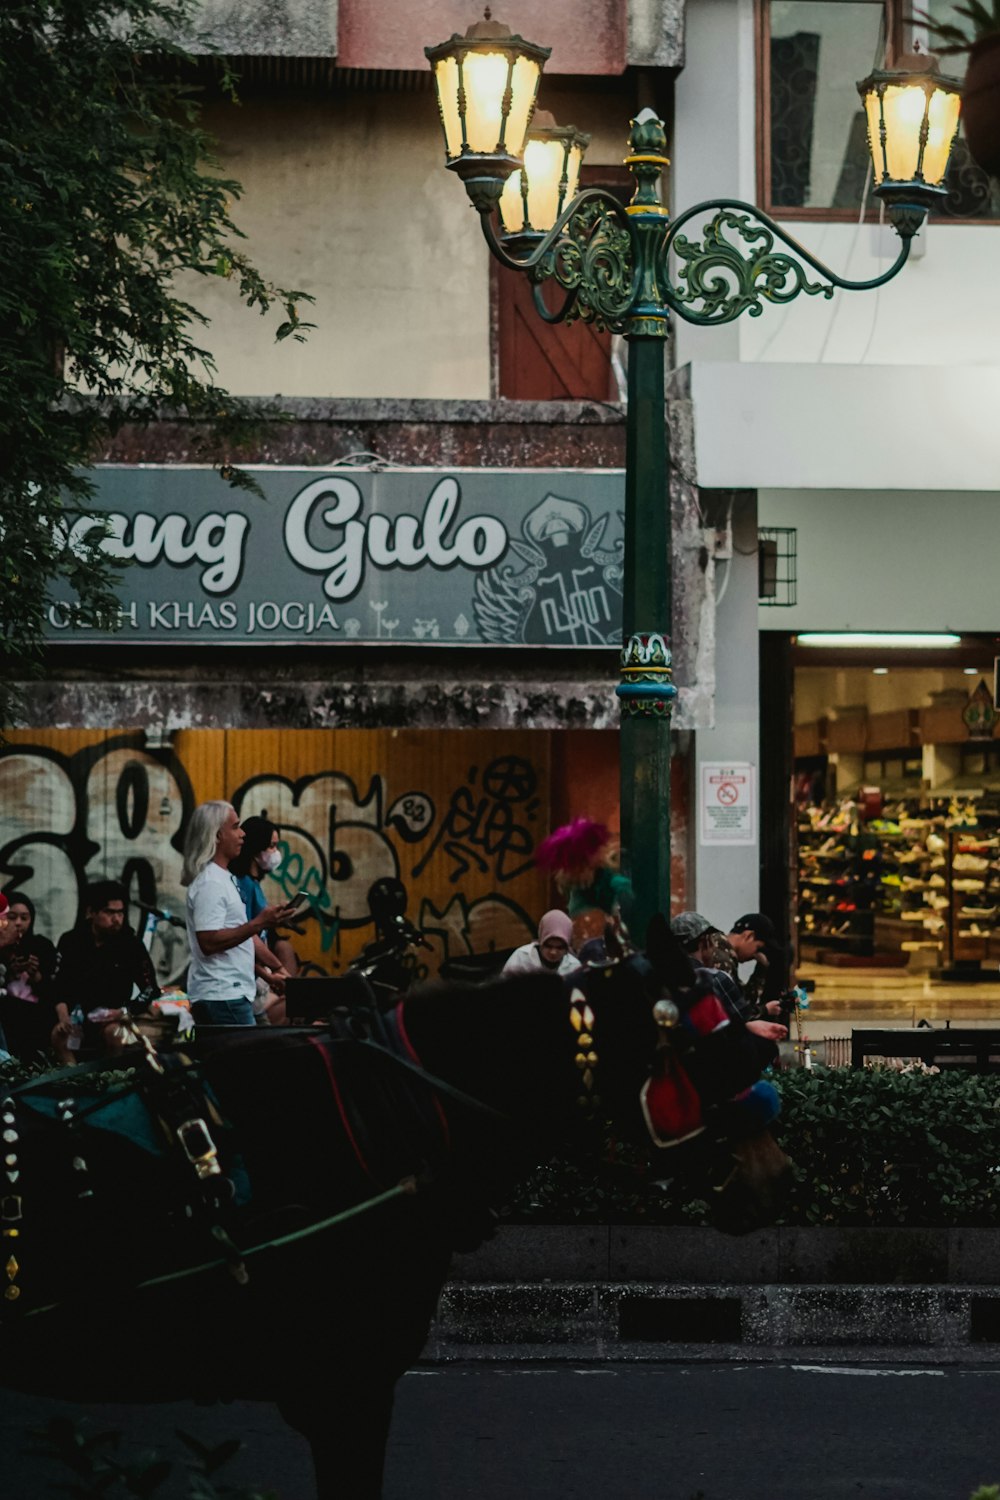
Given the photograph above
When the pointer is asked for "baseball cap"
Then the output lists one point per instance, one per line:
(762, 928)
(689, 927)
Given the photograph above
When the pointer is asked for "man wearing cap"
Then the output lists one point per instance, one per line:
(551, 952)
(750, 937)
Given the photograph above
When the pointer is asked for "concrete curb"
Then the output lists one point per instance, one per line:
(784, 1256)
(636, 1321)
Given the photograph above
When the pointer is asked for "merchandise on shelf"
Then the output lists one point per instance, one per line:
(925, 874)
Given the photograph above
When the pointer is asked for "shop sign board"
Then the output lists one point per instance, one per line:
(530, 557)
(728, 803)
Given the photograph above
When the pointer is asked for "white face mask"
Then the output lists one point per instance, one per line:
(269, 860)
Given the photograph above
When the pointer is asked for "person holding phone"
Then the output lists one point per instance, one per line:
(275, 958)
(222, 980)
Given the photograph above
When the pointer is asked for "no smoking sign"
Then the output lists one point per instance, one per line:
(728, 803)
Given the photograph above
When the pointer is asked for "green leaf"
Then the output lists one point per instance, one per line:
(88, 300)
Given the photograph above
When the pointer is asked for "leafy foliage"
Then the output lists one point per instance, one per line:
(949, 38)
(869, 1147)
(109, 192)
(876, 1147)
(100, 1469)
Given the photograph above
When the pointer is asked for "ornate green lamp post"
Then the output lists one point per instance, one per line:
(628, 269)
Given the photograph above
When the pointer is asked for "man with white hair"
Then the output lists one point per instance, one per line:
(551, 952)
(221, 980)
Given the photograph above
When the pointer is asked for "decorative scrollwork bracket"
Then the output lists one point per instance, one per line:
(720, 278)
(589, 252)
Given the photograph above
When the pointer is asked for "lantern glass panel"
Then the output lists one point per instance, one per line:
(485, 77)
(903, 108)
(573, 166)
(543, 162)
(511, 203)
(943, 123)
(446, 78)
(873, 113)
(524, 84)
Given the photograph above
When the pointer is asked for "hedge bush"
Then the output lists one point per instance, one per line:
(869, 1147)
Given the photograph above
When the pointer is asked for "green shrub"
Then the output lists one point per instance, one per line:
(869, 1147)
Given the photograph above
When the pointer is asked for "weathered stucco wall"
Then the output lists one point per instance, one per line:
(267, 28)
(346, 197)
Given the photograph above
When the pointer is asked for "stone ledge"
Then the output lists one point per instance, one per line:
(650, 1321)
(785, 1256)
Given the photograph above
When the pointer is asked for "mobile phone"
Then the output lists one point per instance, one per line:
(301, 898)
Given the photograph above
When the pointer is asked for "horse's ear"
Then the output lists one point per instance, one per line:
(659, 940)
(613, 943)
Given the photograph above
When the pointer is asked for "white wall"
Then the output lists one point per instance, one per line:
(727, 878)
(888, 561)
(846, 426)
(943, 308)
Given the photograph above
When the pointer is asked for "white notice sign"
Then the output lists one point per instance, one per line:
(728, 803)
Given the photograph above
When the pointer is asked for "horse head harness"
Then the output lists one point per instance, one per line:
(178, 1099)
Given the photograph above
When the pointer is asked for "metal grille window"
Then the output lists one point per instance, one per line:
(777, 561)
(813, 156)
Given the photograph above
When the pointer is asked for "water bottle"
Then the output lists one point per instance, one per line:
(76, 1034)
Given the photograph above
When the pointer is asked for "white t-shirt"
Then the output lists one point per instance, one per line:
(527, 960)
(213, 903)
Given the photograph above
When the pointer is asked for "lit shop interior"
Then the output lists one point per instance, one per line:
(896, 819)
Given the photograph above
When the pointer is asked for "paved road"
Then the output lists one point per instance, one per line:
(619, 1432)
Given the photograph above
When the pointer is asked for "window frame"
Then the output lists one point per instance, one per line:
(898, 34)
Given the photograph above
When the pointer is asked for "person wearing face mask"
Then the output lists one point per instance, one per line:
(274, 957)
(221, 977)
(552, 951)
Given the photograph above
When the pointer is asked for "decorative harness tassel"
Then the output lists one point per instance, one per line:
(10, 1203)
(581, 1018)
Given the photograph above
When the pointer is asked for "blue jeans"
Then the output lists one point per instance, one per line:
(236, 1012)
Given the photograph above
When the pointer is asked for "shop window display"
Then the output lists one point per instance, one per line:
(922, 877)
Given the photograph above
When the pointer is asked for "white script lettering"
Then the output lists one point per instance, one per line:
(404, 543)
(216, 541)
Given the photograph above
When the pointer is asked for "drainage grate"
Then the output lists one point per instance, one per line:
(984, 1321)
(681, 1320)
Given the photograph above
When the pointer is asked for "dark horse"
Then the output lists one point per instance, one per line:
(270, 1215)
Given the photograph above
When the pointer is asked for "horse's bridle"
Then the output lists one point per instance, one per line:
(172, 1086)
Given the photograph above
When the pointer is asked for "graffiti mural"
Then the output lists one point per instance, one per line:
(454, 816)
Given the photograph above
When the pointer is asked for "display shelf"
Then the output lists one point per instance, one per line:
(835, 889)
(899, 871)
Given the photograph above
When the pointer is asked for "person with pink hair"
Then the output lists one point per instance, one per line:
(551, 952)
